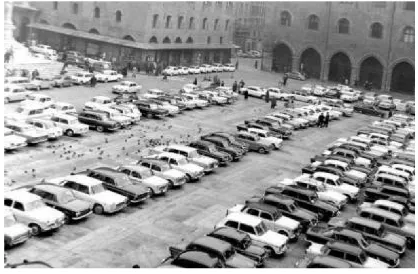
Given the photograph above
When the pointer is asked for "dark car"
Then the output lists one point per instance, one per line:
(322, 261)
(289, 209)
(98, 120)
(120, 183)
(325, 234)
(245, 127)
(272, 126)
(150, 109)
(242, 243)
(254, 142)
(305, 199)
(210, 150)
(369, 110)
(332, 93)
(231, 140)
(125, 97)
(310, 169)
(62, 81)
(191, 259)
(384, 192)
(224, 146)
(63, 200)
(223, 250)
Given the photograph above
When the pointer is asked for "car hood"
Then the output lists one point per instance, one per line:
(304, 214)
(77, 205)
(240, 261)
(264, 141)
(273, 140)
(108, 197)
(287, 223)
(14, 139)
(410, 218)
(382, 252)
(191, 167)
(362, 161)
(373, 263)
(356, 174)
(274, 238)
(394, 238)
(45, 214)
(156, 181)
(332, 195)
(409, 228)
(349, 188)
(205, 160)
(135, 188)
(16, 230)
(256, 250)
(173, 173)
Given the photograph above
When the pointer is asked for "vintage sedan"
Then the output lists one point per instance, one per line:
(194, 70)
(209, 149)
(279, 94)
(223, 145)
(126, 87)
(369, 110)
(256, 92)
(64, 108)
(296, 75)
(191, 259)
(172, 110)
(41, 100)
(53, 131)
(14, 232)
(63, 200)
(32, 134)
(29, 209)
(255, 142)
(196, 100)
(267, 137)
(12, 141)
(304, 96)
(43, 82)
(163, 170)
(150, 109)
(69, 124)
(322, 261)
(99, 102)
(109, 76)
(128, 110)
(62, 81)
(81, 78)
(14, 93)
(386, 105)
(144, 176)
(100, 121)
(92, 191)
(230, 139)
(170, 71)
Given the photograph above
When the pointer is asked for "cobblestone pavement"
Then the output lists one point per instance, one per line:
(142, 234)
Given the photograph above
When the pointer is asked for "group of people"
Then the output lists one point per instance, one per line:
(323, 120)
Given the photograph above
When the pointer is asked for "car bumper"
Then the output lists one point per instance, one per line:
(196, 177)
(81, 131)
(119, 207)
(161, 190)
(20, 239)
(37, 140)
(140, 198)
(15, 146)
(82, 216)
(210, 168)
(55, 225)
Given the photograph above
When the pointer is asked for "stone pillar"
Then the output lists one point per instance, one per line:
(266, 61)
(295, 63)
(8, 25)
(354, 75)
(325, 70)
(387, 79)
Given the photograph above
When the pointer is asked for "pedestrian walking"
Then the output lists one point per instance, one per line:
(292, 103)
(33, 74)
(346, 82)
(267, 98)
(273, 102)
(245, 94)
(326, 120)
(256, 64)
(93, 81)
(222, 84)
(234, 86)
(320, 120)
(195, 81)
(134, 72)
(390, 114)
(285, 77)
(236, 65)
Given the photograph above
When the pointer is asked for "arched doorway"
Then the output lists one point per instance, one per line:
(310, 63)
(371, 70)
(339, 68)
(403, 78)
(282, 58)
(24, 30)
(94, 31)
(69, 26)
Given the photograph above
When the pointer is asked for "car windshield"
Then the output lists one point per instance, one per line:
(34, 205)
(96, 189)
(20, 110)
(261, 229)
(67, 197)
(9, 220)
(182, 161)
(153, 106)
(146, 173)
(194, 154)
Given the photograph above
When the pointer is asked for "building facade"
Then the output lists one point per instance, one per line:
(249, 25)
(171, 33)
(357, 41)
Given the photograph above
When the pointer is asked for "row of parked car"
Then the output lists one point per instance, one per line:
(204, 68)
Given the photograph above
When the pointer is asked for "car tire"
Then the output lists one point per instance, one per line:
(189, 178)
(262, 97)
(170, 184)
(100, 128)
(67, 219)
(38, 88)
(98, 209)
(6, 100)
(151, 191)
(270, 250)
(410, 243)
(309, 101)
(61, 85)
(69, 132)
(35, 229)
(261, 150)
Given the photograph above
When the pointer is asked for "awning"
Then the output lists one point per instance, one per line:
(127, 43)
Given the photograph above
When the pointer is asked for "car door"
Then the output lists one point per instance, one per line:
(19, 212)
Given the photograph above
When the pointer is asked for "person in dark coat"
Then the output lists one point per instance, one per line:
(245, 94)
(320, 120)
(236, 65)
(234, 86)
(285, 77)
(390, 114)
(241, 83)
(326, 120)
(93, 81)
(273, 102)
(267, 96)
(256, 64)
(195, 81)
(222, 84)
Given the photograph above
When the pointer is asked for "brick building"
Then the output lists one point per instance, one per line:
(358, 41)
(249, 24)
(176, 33)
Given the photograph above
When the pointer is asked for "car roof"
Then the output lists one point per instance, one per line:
(262, 206)
(327, 175)
(229, 233)
(390, 204)
(244, 218)
(63, 104)
(391, 177)
(55, 189)
(108, 171)
(336, 162)
(331, 261)
(173, 155)
(88, 181)
(212, 243)
(344, 247)
(200, 257)
(64, 116)
(182, 147)
(366, 222)
(349, 233)
(21, 195)
(382, 212)
(137, 168)
(101, 97)
(39, 95)
(257, 130)
(282, 200)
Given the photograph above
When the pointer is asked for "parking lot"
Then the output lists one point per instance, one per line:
(141, 235)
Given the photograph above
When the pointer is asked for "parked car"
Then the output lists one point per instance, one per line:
(191, 259)
(208, 149)
(14, 93)
(32, 134)
(53, 131)
(304, 96)
(256, 92)
(98, 102)
(30, 210)
(273, 126)
(108, 75)
(64, 108)
(230, 139)
(195, 99)
(255, 142)
(194, 70)
(322, 261)
(40, 99)
(223, 145)
(163, 170)
(14, 232)
(279, 94)
(92, 191)
(44, 49)
(369, 110)
(267, 137)
(100, 121)
(154, 93)
(81, 78)
(150, 109)
(391, 206)
(62, 81)
(172, 110)
(170, 71)
(126, 87)
(63, 200)
(296, 75)
(69, 124)
(12, 141)
(128, 110)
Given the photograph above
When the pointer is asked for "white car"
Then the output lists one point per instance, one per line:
(208, 164)
(153, 93)
(349, 97)
(194, 70)
(218, 67)
(92, 190)
(14, 232)
(179, 162)
(47, 125)
(172, 110)
(81, 78)
(385, 97)
(183, 70)
(32, 134)
(266, 137)
(126, 87)
(230, 67)
(12, 141)
(332, 182)
(30, 210)
(44, 49)
(15, 93)
(98, 103)
(195, 99)
(128, 110)
(352, 173)
(108, 76)
(203, 69)
(214, 97)
(29, 111)
(189, 88)
(41, 99)
(279, 94)
(257, 230)
(64, 108)
(209, 68)
(170, 71)
(303, 96)
(69, 124)
(256, 92)
(333, 114)
(116, 116)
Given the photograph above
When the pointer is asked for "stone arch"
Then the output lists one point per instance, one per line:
(340, 67)
(166, 40)
(310, 62)
(69, 26)
(282, 57)
(178, 40)
(153, 40)
(371, 70)
(94, 31)
(402, 76)
(189, 40)
(128, 37)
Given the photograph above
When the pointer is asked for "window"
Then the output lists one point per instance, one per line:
(408, 35)
(221, 40)
(410, 5)
(168, 22)
(153, 40)
(191, 23)
(215, 24)
(96, 12)
(343, 26)
(55, 5)
(285, 19)
(232, 224)
(247, 228)
(266, 216)
(226, 25)
(154, 21)
(189, 40)
(83, 189)
(8, 202)
(313, 22)
(253, 212)
(208, 40)
(376, 30)
(18, 206)
(180, 22)
(336, 253)
(205, 22)
(118, 16)
(75, 8)
(352, 258)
